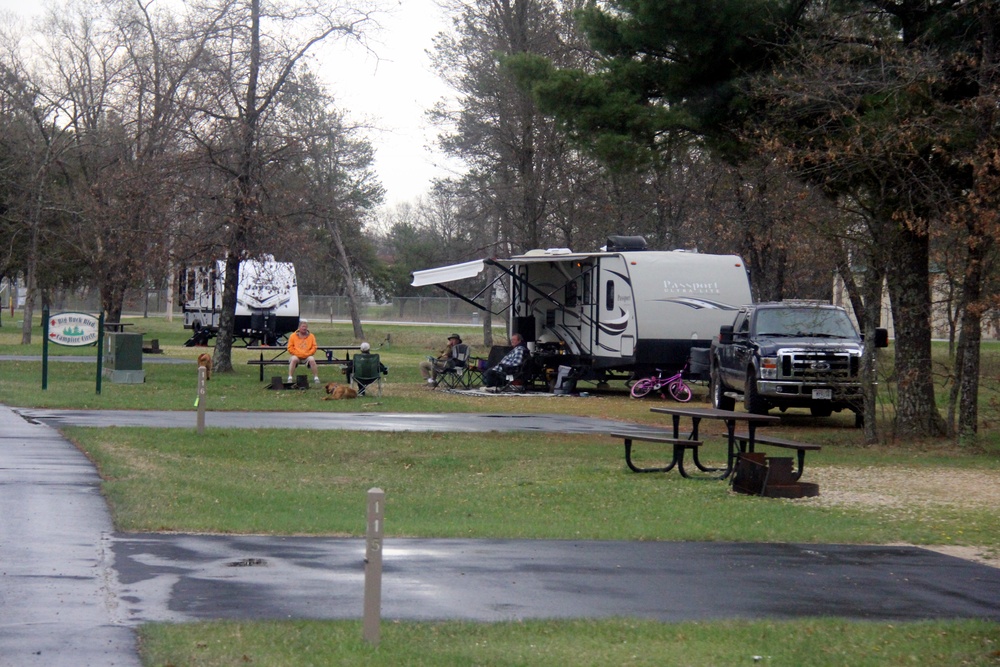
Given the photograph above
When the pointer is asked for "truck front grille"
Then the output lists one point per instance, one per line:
(819, 366)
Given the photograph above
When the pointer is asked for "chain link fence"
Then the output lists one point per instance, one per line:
(444, 310)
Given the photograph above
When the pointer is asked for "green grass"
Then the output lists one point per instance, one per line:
(599, 643)
(489, 485)
(493, 486)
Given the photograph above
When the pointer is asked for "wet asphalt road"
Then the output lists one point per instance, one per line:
(72, 590)
(322, 421)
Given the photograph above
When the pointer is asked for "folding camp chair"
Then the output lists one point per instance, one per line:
(367, 371)
(515, 379)
(473, 376)
(519, 378)
(453, 376)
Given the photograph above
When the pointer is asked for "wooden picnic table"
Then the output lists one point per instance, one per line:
(730, 418)
(279, 356)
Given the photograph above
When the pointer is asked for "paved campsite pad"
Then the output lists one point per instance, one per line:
(198, 577)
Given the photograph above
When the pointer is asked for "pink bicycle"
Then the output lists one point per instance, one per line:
(674, 385)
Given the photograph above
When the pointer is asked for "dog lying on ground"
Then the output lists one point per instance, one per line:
(205, 361)
(336, 392)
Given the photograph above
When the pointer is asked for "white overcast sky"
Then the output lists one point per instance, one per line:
(391, 91)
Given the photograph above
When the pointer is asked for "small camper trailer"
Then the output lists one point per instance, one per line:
(621, 312)
(267, 301)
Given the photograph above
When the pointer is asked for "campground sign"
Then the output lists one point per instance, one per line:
(73, 329)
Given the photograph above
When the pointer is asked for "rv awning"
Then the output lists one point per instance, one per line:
(448, 274)
(536, 257)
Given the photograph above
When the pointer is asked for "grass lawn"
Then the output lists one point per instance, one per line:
(583, 643)
(510, 485)
(519, 485)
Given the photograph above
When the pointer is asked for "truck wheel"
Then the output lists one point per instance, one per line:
(752, 401)
(719, 400)
(821, 409)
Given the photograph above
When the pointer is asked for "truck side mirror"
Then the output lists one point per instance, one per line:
(881, 338)
(726, 334)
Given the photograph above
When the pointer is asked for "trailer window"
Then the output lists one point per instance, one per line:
(189, 287)
(609, 296)
(571, 291)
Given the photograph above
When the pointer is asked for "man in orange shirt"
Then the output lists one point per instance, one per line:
(302, 347)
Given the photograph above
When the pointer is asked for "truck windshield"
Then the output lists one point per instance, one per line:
(820, 322)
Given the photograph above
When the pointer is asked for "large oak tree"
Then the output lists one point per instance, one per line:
(870, 124)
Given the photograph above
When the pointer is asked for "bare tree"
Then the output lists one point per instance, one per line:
(513, 152)
(255, 49)
(35, 142)
(333, 187)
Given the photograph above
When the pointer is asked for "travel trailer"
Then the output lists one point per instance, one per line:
(618, 313)
(267, 301)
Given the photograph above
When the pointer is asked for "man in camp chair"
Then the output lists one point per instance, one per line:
(367, 368)
(513, 363)
(448, 358)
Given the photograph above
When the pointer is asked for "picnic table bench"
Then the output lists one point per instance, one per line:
(279, 357)
(680, 445)
(747, 446)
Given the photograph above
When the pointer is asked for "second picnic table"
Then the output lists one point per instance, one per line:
(729, 417)
(279, 358)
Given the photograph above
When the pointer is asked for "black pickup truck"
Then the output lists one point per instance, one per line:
(790, 354)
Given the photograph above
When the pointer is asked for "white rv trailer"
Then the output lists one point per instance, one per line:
(267, 300)
(615, 311)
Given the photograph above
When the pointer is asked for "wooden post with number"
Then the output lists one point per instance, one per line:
(373, 566)
(200, 401)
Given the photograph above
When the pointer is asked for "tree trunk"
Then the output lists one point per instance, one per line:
(222, 358)
(29, 301)
(970, 336)
(245, 206)
(869, 320)
(345, 266)
(488, 313)
(854, 293)
(909, 288)
(31, 268)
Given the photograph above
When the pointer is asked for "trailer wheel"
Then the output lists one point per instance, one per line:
(719, 399)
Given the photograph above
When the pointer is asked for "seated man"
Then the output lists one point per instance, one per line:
(512, 361)
(366, 352)
(302, 347)
(367, 369)
(434, 366)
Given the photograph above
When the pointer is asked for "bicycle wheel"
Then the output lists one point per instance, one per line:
(680, 391)
(642, 387)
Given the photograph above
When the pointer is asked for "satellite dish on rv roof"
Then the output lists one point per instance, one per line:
(619, 243)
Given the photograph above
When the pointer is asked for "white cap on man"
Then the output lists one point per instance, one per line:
(365, 347)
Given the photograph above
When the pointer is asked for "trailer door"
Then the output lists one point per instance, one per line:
(614, 324)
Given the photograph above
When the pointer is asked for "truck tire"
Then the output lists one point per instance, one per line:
(719, 399)
(823, 409)
(752, 401)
